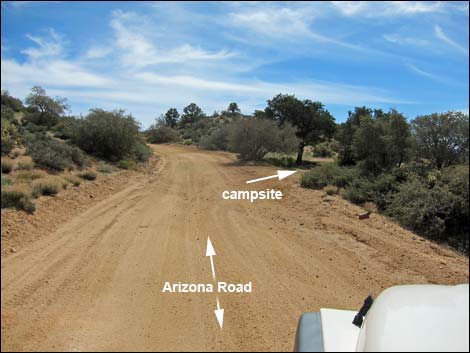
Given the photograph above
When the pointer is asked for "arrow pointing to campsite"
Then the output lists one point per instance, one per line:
(211, 252)
(219, 314)
(281, 174)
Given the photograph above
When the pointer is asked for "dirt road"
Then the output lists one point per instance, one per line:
(96, 283)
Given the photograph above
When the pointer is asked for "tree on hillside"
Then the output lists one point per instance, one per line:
(345, 134)
(397, 139)
(11, 102)
(368, 147)
(191, 114)
(442, 137)
(171, 117)
(313, 123)
(233, 108)
(44, 110)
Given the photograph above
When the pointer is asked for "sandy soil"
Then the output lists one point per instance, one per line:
(96, 282)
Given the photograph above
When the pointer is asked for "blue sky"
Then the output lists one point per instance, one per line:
(146, 57)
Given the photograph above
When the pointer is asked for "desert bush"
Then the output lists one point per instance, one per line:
(104, 168)
(5, 181)
(7, 165)
(375, 190)
(29, 175)
(126, 164)
(10, 102)
(252, 139)
(88, 175)
(17, 196)
(187, 142)
(73, 179)
(66, 127)
(53, 154)
(9, 136)
(142, 152)
(111, 135)
(281, 160)
(323, 150)
(421, 209)
(24, 163)
(328, 174)
(216, 140)
(331, 190)
(162, 134)
(34, 129)
(45, 186)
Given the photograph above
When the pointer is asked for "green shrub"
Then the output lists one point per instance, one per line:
(17, 197)
(74, 180)
(216, 140)
(46, 187)
(66, 127)
(328, 174)
(142, 152)
(5, 181)
(126, 164)
(9, 136)
(282, 161)
(421, 209)
(323, 150)
(88, 175)
(162, 134)
(187, 142)
(252, 139)
(375, 190)
(7, 165)
(110, 135)
(53, 154)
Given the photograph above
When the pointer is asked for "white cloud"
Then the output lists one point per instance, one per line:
(139, 51)
(442, 36)
(372, 9)
(50, 73)
(402, 40)
(50, 46)
(97, 52)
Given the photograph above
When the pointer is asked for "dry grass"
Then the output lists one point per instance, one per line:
(331, 190)
(370, 207)
(26, 176)
(17, 196)
(46, 186)
(88, 175)
(24, 163)
(73, 179)
(7, 165)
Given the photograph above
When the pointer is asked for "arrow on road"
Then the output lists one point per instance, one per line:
(219, 314)
(281, 174)
(211, 252)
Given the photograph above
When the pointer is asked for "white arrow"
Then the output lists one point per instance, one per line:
(211, 252)
(281, 174)
(219, 314)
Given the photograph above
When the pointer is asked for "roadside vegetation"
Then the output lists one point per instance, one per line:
(45, 151)
(414, 171)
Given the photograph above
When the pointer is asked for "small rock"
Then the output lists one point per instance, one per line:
(13, 250)
(414, 238)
